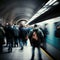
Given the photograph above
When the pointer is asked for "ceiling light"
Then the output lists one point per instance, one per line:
(56, 3)
(45, 8)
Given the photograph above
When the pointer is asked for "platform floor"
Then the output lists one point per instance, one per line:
(24, 54)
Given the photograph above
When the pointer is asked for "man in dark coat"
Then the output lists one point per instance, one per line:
(35, 36)
(22, 35)
(9, 36)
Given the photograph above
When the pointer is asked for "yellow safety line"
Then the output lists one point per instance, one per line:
(47, 54)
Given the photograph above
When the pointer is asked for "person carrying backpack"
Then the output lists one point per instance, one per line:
(35, 37)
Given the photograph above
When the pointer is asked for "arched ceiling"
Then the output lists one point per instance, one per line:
(13, 10)
(18, 9)
(54, 12)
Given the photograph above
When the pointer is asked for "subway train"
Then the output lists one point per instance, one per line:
(15, 14)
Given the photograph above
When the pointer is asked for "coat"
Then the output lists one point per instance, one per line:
(35, 43)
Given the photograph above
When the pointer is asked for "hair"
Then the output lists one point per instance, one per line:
(35, 25)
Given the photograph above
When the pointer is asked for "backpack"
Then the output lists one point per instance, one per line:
(34, 35)
(39, 34)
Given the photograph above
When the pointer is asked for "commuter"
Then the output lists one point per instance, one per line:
(6, 33)
(22, 35)
(9, 36)
(16, 34)
(35, 36)
(2, 35)
(45, 31)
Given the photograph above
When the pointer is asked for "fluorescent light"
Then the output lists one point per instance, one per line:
(48, 2)
(56, 3)
(40, 12)
(45, 8)
(52, 2)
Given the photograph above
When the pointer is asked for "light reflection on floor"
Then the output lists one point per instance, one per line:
(17, 54)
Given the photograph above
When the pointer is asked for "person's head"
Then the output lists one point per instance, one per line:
(35, 25)
(21, 25)
(45, 25)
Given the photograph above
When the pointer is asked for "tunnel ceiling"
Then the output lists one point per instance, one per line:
(13, 10)
(50, 14)
(19, 9)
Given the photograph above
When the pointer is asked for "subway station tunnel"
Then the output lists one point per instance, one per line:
(32, 12)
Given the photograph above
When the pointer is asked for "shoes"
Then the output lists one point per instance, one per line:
(32, 58)
(21, 48)
(10, 50)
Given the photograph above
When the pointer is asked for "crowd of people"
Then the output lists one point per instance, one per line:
(20, 34)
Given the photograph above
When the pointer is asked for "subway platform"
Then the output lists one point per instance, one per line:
(24, 54)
